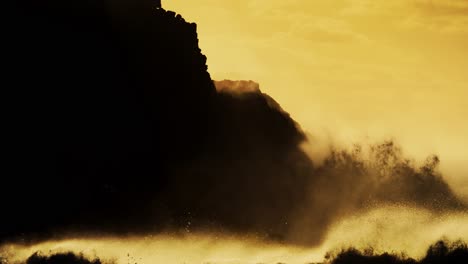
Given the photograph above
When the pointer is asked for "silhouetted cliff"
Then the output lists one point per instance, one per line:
(103, 97)
(115, 126)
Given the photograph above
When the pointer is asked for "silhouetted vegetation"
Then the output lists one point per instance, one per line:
(440, 253)
(61, 258)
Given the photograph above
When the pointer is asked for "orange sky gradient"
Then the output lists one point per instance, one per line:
(351, 70)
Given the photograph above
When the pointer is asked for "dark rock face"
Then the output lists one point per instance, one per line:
(115, 126)
(157, 3)
(103, 98)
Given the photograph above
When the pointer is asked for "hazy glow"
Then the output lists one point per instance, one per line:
(191, 249)
(348, 70)
(396, 229)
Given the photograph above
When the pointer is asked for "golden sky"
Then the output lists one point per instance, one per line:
(350, 70)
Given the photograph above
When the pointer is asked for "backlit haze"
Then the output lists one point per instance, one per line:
(351, 71)
(386, 75)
